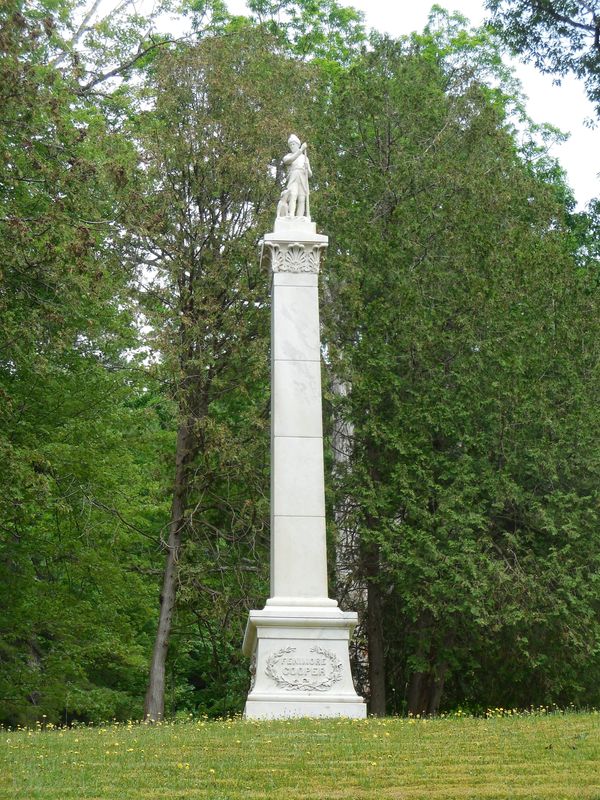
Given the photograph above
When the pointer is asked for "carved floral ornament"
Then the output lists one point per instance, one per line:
(313, 674)
(295, 257)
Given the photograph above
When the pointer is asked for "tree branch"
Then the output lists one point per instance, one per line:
(543, 8)
(104, 76)
(114, 512)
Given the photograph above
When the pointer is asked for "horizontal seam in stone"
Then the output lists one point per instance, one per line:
(299, 360)
(301, 516)
(295, 436)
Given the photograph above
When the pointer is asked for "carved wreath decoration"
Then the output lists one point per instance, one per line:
(274, 671)
(252, 672)
(295, 258)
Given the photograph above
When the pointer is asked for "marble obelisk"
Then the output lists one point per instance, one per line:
(298, 644)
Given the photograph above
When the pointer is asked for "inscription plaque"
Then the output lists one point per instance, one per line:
(316, 672)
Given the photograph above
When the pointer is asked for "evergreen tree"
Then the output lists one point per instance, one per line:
(467, 335)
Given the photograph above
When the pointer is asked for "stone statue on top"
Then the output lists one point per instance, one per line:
(294, 201)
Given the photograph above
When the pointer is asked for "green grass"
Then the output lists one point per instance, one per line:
(533, 756)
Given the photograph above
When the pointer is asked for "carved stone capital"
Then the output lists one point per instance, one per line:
(295, 256)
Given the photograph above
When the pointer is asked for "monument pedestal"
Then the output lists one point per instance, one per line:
(300, 663)
(299, 642)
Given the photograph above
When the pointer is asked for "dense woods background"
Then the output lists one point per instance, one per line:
(461, 359)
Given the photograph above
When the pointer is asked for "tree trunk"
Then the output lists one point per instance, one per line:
(426, 686)
(425, 691)
(375, 633)
(414, 693)
(438, 688)
(154, 704)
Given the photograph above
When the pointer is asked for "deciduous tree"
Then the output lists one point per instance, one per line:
(218, 120)
(559, 36)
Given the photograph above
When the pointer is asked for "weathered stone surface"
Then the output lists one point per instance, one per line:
(295, 323)
(296, 401)
(298, 558)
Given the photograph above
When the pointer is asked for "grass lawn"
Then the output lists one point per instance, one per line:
(532, 756)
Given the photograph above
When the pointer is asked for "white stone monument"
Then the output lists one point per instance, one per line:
(298, 644)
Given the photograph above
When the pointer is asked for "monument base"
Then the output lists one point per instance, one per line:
(281, 709)
(300, 662)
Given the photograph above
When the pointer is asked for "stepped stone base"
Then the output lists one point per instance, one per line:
(300, 663)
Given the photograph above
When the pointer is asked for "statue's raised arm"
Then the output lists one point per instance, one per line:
(298, 173)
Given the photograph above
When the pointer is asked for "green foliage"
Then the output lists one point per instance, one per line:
(323, 30)
(468, 339)
(558, 36)
(137, 176)
(71, 626)
(214, 129)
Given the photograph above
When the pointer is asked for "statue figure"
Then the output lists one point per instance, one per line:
(298, 173)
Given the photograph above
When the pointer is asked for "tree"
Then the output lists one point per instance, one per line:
(559, 36)
(324, 30)
(461, 321)
(73, 631)
(462, 325)
(217, 121)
